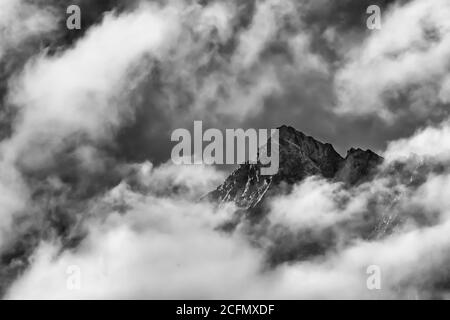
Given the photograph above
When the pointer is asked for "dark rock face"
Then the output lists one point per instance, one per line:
(300, 156)
(358, 166)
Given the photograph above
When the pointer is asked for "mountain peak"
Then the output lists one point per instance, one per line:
(288, 133)
(300, 156)
(356, 151)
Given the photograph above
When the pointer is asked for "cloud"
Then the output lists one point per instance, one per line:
(196, 60)
(68, 104)
(400, 68)
(162, 247)
(14, 199)
(313, 203)
(142, 231)
(190, 181)
(428, 142)
(21, 20)
(81, 91)
(432, 195)
(168, 245)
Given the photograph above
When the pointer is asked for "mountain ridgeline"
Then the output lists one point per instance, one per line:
(300, 156)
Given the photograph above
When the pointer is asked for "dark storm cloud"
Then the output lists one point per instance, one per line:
(306, 98)
(309, 100)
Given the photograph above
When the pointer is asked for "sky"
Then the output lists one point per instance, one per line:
(86, 117)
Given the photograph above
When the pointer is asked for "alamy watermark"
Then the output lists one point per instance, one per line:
(73, 280)
(373, 281)
(73, 21)
(374, 20)
(239, 147)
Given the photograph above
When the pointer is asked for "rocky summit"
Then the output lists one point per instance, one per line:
(300, 156)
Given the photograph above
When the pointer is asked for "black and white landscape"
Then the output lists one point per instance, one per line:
(93, 207)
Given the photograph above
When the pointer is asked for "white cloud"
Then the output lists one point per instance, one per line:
(433, 195)
(313, 203)
(410, 52)
(14, 199)
(161, 248)
(166, 246)
(75, 97)
(190, 181)
(429, 142)
(21, 20)
(82, 90)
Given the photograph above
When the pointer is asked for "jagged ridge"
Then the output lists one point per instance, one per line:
(300, 156)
